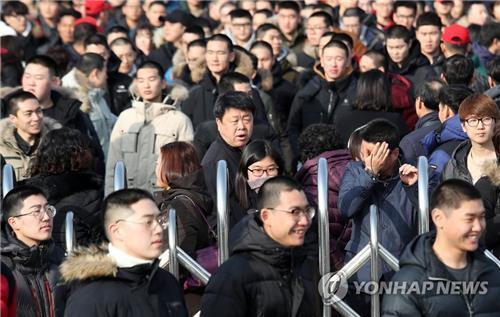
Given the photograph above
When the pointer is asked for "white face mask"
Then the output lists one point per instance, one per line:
(256, 184)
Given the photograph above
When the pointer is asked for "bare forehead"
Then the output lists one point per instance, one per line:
(34, 200)
(36, 69)
(217, 45)
(293, 198)
(144, 207)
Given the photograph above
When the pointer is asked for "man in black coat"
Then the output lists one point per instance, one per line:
(447, 270)
(27, 249)
(405, 58)
(265, 274)
(330, 93)
(123, 278)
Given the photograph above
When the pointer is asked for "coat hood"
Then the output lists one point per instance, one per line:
(28, 259)
(193, 186)
(451, 130)
(88, 263)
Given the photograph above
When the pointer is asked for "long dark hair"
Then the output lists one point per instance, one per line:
(374, 91)
(253, 152)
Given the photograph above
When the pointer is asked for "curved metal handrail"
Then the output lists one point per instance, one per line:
(173, 266)
(423, 195)
(120, 178)
(192, 266)
(222, 212)
(323, 225)
(8, 179)
(69, 232)
(374, 269)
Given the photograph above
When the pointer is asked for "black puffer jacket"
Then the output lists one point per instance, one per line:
(320, 102)
(35, 271)
(80, 192)
(419, 264)
(96, 286)
(260, 278)
(192, 203)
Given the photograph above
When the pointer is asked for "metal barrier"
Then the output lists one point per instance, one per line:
(177, 255)
(324, 230)
(8, 179)
(372, 251)
(492, 257)
(173, 265)
(222, 212)
(423, 195)
(120, 178)
(69, 232)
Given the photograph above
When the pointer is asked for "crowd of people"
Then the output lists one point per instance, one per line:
(170, 88)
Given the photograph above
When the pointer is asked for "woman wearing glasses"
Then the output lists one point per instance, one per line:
(477, 160)
(258, 163)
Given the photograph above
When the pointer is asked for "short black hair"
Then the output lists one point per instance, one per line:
(228, 80)
(222, 38)
(240, 13)
(494, 69)
(338, 44)
(458, 69)
(344, 37)
(195, 29)
(429, 92)
(151, 64)
(198, 43)
(290, 5)
(82, 31)
(46, 62)
(316, 139)
(13, 201)
(474, 32)
(451, 193)
(122, 41)
(268, 13)
(353, 13)
(90, 61)
(377, 58)
(117, 29)
(429, 18)
(157, 2)
(233, 99)
(262, 44)
(405, 4)
(67, 12)
(489, 32)
(327, 18)
(262, 29)
(453, 95)
(381, 130)
(398, 32)
(13, 99)
(270, 192)
(10, 8)
(96, 39)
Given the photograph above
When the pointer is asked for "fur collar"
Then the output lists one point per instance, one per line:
(88, 263)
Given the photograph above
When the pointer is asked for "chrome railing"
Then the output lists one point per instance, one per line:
(222, 212)
(374, 269)
(323, 225)
(423, 195)
(173, 265)
(69, 232)
(8, 179)
(120, 177)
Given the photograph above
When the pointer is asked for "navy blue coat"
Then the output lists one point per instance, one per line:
(397, 210)
(410, 143)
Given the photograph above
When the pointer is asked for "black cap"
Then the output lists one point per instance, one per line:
(179, 16)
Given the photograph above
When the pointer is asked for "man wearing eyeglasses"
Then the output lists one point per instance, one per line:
(27, 249)
(263, 275)
(123, 277)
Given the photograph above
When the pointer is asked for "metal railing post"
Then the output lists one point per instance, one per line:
(173, 266)
(323, 225)
(120, 178)
(192, 266)
(374, 269)
(222, 212)
(492, 257)
(423, 195)
(8, 179)
(69, 232)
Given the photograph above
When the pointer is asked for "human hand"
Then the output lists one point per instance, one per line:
(375, 159)
(408, 174)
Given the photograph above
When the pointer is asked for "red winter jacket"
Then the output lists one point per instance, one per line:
(401, 99)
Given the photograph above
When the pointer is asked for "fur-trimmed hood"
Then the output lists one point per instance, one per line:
(88, 263)
(492, 170)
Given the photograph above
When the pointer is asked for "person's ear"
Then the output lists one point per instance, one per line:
(55, 81)
(12, 221)
(264, 215)
(382, 69)
(395, 153)
(13, 119)
(438, 217)
(232, 56)
(114, 231)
